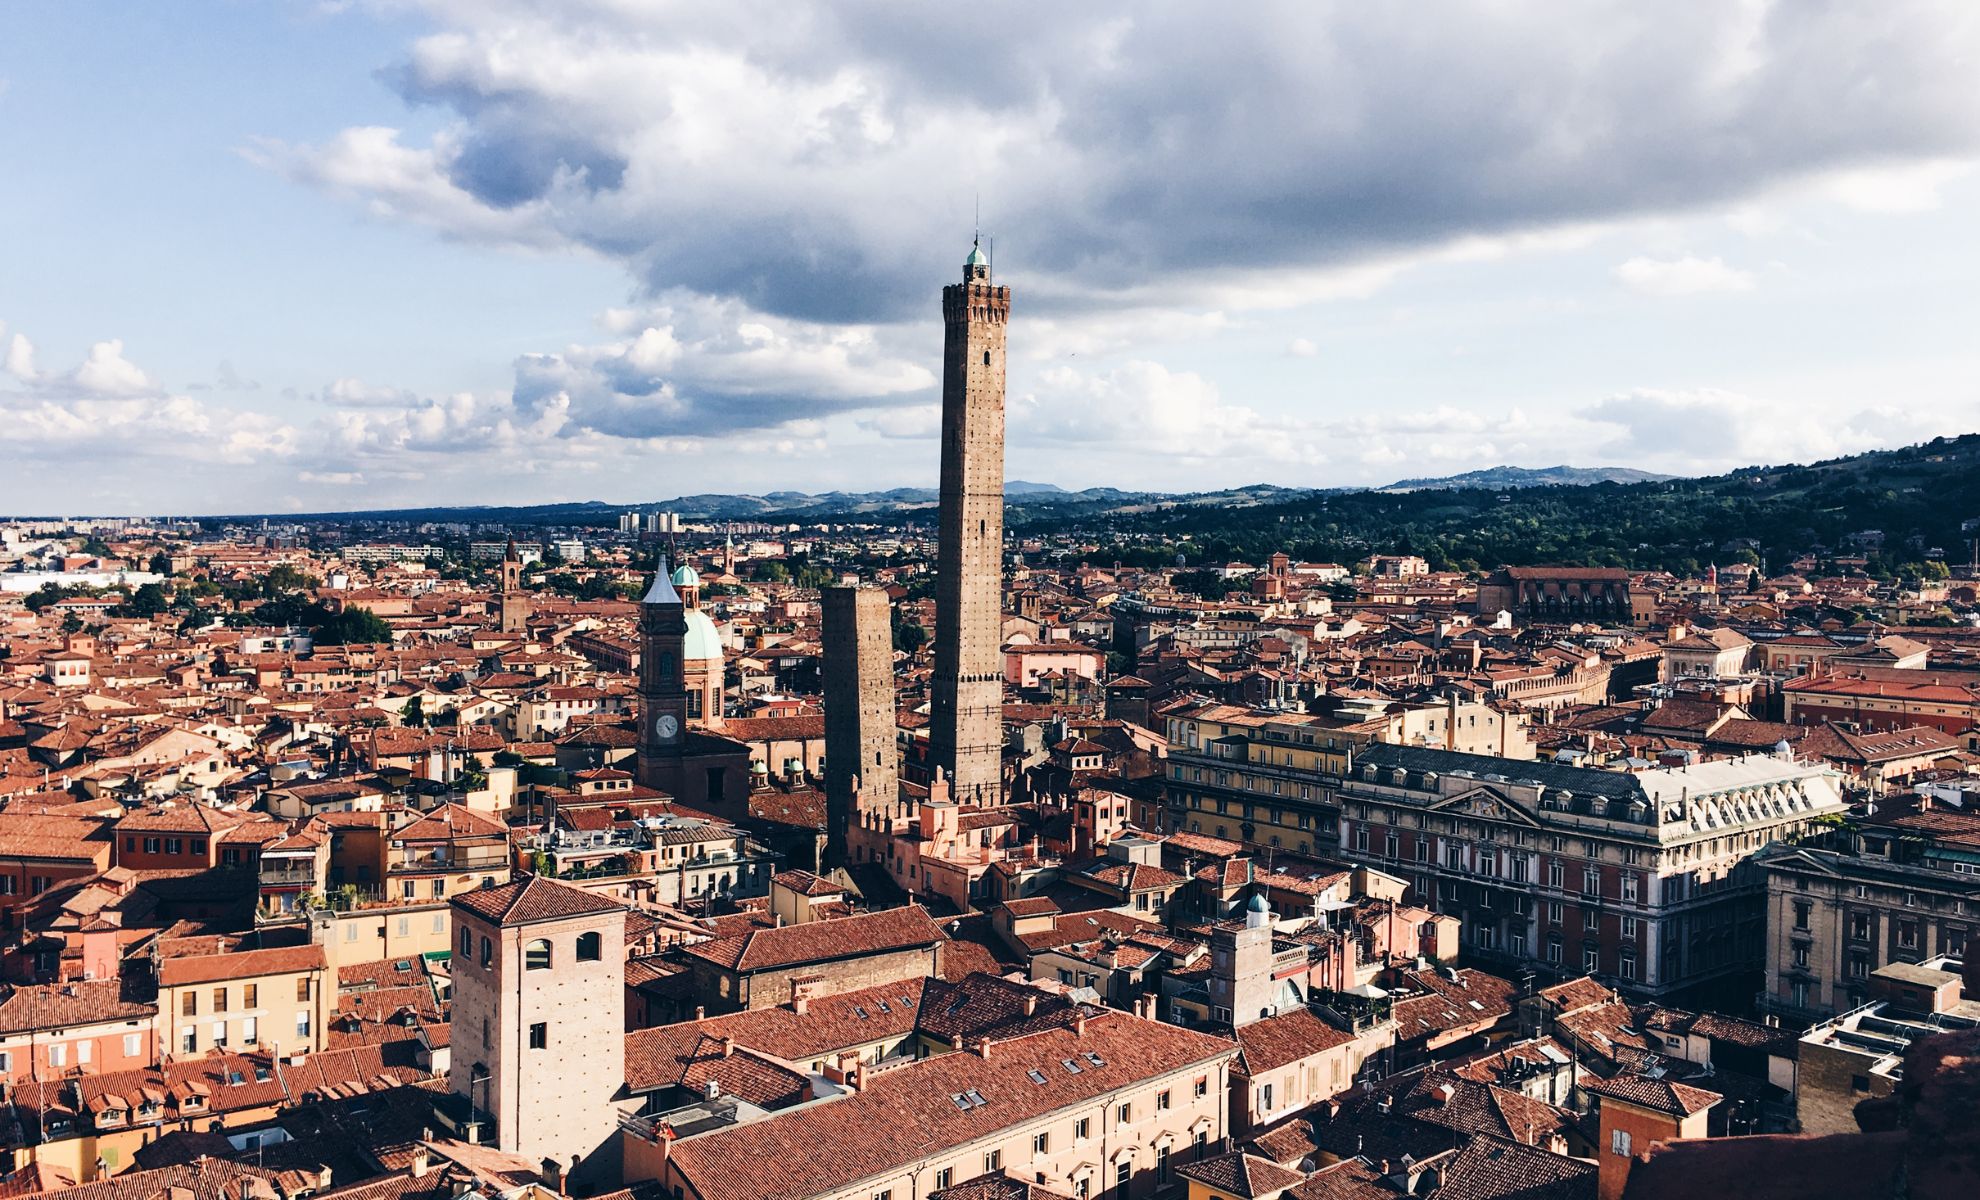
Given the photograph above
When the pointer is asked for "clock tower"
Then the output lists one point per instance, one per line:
(663, 702)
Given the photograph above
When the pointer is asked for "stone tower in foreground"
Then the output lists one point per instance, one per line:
(861, 780)
(966, 722)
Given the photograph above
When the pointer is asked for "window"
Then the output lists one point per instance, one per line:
(250, 1030)
(944, 1178)
(487, 952)
(1040, 1143)
(1202, 1086)
(58, 1055)
(1591, 959)
(1619, 1142)
(133, 1046)
(219, 1033)
(219, 999)
(302, 988)
(1162, 1101)
(302, 1024)
(189, 1041)
(539, 1036)
(84, 1049)
(1801, 911)
(1859, 927)
(1801, 954)
(993, 1161)
(467, 943)
(1124, 1114)
(188, 1004)
(1265, 1098)
(588, 947)
(1123, 1172)
(1080, 1128)
(250, 995)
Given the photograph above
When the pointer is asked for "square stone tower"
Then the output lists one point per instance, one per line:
(966, 719)
(862, 792)
(539, 975)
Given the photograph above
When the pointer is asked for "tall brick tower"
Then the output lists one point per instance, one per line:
(966, 725)
(513, 601)
(862, 790)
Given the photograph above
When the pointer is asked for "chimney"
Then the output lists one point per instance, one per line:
(728, 1045)
(983, 1049)
(1030, 1003)
(700, 1012)
(419, 1161)
(1444, 1093)
(1079, 1023)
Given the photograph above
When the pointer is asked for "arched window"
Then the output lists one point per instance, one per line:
(588, 947)
(986, 358)
(467, 943)
(536, 955)
(487, 952)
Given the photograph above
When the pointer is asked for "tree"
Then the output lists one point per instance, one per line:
(413, 715)
(147, 601)
(909, 636)
(160, 564)
(351, 625)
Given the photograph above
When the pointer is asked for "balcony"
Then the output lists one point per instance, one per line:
(443, 860)
(288, 875)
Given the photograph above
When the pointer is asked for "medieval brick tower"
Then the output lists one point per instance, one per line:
(862, 790)
(966, 726)
(514, 603)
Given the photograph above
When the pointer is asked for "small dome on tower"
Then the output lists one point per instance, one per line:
(1258, 904)
(976, 257)
(702, 642)
(686, 576)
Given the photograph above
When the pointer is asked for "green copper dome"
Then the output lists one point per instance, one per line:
(976, 258)
(686, 576)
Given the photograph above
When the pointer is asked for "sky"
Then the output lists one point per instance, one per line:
(261, 256)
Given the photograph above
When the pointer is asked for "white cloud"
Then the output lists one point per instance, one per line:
(1301, 347)
(807, 159)
(1900, 187)
(1685, 276)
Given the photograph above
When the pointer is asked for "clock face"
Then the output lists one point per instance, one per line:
(666, 726)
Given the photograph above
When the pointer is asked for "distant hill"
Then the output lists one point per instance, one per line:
(1909, 512)
(1502, 478)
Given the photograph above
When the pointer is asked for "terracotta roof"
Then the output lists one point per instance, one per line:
(530, 899)
(1659, 1095)
(67, 1005)
(234, 963)
(1244, 1176)
(1288, 1037)
(819, 941)
(911, 1113)
(1492, 1168)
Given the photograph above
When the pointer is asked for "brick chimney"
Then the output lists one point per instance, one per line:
(728, 1045)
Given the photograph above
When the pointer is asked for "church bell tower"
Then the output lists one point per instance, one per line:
(662, 684)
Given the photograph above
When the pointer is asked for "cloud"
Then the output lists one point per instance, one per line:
(1898, 188)
(819, 162)
(1701, 430)
(697, 367)
(1301, 347)
(109, 409)
(1684, 276)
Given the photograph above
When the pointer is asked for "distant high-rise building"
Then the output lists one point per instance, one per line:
(966, 725)
(862, 790)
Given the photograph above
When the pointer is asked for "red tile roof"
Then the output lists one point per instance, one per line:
(531, 899)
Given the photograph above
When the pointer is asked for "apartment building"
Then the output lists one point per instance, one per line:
(1641, 877)
(1108, 1104)
(1901, 885)
(221, 993)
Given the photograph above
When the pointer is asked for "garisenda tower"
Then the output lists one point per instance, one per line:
(966, 729)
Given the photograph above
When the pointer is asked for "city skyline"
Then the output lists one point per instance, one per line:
(355, 256)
